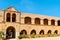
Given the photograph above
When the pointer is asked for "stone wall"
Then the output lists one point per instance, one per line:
(45, 38)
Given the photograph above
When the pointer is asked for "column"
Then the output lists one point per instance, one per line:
(5, 16)
(22, 20)
(11, 17)
(49, 22)
(56, 23)
(17, 34)
(32, 21)
(41, 22)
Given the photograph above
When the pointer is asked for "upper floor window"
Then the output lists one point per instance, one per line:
(13, 17)
(45, 21)
(37, 21)
(58, 22)
(27, 20)
(52, 22)
(8, 17)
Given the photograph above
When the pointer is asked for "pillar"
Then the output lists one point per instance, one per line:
(22, 20)
(49, 22)
(41, 21)
(56, 23)
(32, 21)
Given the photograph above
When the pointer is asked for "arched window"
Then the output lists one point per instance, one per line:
(33, 32)
(27, 20)
(58, 22)
(41, 32)
(37, 21)
(52, 22)
(45, 21)
(13, 17)
(56, 32)
(23, 32)
(8, 17)
(49, 32)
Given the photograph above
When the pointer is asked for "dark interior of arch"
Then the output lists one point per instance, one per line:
(33, 32)
(23, 32)
(10, 33)
(41, 32)
(49, 32)
(56, 32)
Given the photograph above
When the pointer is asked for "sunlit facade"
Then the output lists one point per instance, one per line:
(14, 23)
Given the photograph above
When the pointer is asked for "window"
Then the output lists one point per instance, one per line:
(45, 21)
(27, 20)
(8, 17)
(13, 17)
(58, 22)
(52, 22)
(37, 21)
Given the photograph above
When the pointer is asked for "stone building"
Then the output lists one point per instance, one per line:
(13, 23)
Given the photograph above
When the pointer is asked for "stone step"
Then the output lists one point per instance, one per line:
(11, 39)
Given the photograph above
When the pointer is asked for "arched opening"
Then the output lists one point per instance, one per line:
(45, 21)
(27, 20)
(52, 22)
(23, 32)
(33, 32)
(8, 17)
(10, 32)
(37, 21)
(49, 32)
(13, 17)
(56, 32)
(41, 32)
(58, 22)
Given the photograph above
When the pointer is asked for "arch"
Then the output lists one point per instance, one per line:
(52, 22)
(10, 32)
(41, 32)
(8, 17)
(45, 21)
(33, 32)
(58, 22)
(49, 32)
(23, 32)
(27, 20)
(37, 21)
(56, 32)
(13, 17)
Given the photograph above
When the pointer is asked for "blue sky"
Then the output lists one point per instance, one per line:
(44, 7)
